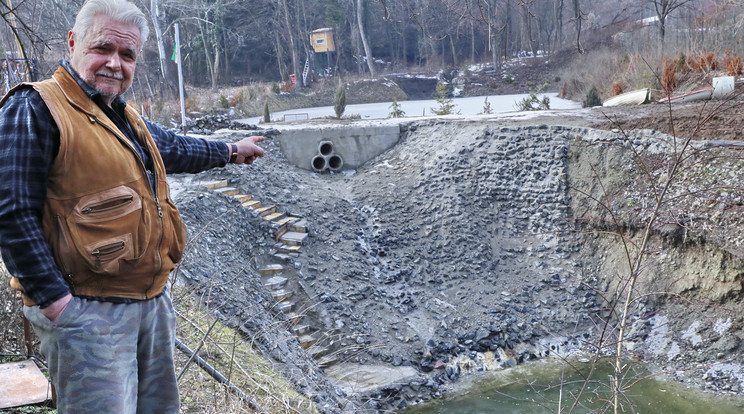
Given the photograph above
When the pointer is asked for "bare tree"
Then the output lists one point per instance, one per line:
(664, 8)
(166, 67)
(363, 36)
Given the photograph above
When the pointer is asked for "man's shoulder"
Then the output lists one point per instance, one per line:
(22, 101)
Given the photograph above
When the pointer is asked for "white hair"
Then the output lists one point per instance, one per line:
(119, 10)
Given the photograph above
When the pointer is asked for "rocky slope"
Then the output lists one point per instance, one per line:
(471, 245)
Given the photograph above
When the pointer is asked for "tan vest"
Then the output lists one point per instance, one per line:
(109, 235)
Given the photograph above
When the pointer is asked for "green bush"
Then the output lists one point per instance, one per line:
(339, 101)
(266, 113)
(441, 95)
(395, 110)
(487, 110)
(592, 98)
(224, 103)
(533, 102)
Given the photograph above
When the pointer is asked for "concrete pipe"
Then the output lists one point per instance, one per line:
(325, 148)
(335, 162)
(319, 163)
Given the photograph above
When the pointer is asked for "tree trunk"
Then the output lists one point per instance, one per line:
(454, 52)
(166, 68)
(558, 24)
(367, 52)
(207, 57)
(292, 48)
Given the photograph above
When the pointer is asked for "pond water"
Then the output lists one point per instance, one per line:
(533, 388)
(464, 106)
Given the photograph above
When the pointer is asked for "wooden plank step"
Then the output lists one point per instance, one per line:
(228, 191)
(306, 341)
(281, 295)
(327, 360)
(294, 318)
(285, 306)
(273, 216)
(279, 233)
(293, 238)
(317, 352)
(285, 221)
(301, 329)
(22, 383)
(243, 197)
(283, 248)
(252, 204)
(265, 211)
(283, 256)
(276, 282)
(271, 269)
(213, 185)
(299, 226)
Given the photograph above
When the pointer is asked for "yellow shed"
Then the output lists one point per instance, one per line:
(322, 40)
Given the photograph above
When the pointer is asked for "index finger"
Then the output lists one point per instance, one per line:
(257, 138)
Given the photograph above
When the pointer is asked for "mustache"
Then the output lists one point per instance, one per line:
(109, 74)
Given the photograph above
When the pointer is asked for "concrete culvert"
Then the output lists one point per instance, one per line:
(319, 163)
(335, 162)
(325, 148)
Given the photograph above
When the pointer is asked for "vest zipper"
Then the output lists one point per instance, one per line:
(107, 250)
(63, 265)
(108, 205)
(159, 258)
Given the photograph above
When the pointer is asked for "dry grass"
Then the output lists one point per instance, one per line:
(233, 356)
(226, 350)
(599, 67)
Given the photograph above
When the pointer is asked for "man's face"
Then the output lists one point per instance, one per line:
(105, 57)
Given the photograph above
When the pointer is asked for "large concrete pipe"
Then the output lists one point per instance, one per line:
(319, 163)
(325, 148)
(335, 162)
(326, 158)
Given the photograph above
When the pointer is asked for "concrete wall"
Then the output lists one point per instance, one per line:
(354, 144)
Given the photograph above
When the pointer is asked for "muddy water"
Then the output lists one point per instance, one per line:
(534, 388)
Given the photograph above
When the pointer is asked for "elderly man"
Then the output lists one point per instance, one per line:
(87, 226)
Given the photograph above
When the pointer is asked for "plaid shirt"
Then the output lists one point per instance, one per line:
(29, 142)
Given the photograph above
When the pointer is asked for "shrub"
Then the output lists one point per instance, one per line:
(693, 64)
(732, 63)
(441, 95)
(339, 101)
(592, 98)
(487, 110)
(617, 88)
(533, 102)
(395, 109)
(706, 62)
(266, 113)
(191, 104)
(668, 79)
(275, 87)
(224, 103)
(238, 99)
(681, 66)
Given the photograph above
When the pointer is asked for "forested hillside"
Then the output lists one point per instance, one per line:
(228, 43)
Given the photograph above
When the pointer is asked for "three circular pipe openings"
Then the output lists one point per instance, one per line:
(326, 159)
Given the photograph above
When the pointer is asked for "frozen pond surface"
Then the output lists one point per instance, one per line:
(465, 106)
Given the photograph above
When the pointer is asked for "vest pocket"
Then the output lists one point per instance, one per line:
(108, 230)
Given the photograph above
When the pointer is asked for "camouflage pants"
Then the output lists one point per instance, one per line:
(111, 358)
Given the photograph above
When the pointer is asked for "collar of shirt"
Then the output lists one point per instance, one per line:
(116, 113)
(118, 104)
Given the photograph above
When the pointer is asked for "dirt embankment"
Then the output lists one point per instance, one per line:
(454, 252)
